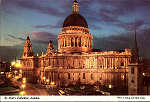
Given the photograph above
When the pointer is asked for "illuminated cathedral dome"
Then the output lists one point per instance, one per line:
(75, 36)
(75, 19)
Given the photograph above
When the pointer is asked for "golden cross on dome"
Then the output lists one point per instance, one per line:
(75, 7)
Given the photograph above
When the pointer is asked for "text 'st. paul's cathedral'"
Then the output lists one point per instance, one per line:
(75, 60)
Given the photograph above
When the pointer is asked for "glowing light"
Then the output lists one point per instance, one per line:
(24, 79)
(9, 76)
(17, 65)
(22, 93)
(122, 77)
(44, 78)
(52, 83)
(16, 77)
(143, 74)
(47, 80)
(82, 87)
(110, 86)
(16, 71)
(12, 63)
(2, 72)
(23, 86)
(20, 71)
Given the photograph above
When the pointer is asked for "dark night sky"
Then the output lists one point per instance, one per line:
(111, 22)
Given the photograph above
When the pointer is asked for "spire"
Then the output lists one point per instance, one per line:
(135, 41)
(75, 7)
(28, 36)
(50, 49)
(135, 50)
(27, 48)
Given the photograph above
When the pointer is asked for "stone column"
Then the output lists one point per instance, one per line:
(108, 63)
(74, 41)
(115, 60)
(104, 63)
(64, 42)
(109, 59)
(77, 42)
(70, 41)
(126, 62)
(82, 42)
(59, 43)
(89, 43)
(85, 42)
(112, 62)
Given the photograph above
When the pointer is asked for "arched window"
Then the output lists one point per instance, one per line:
(68, 75)
(91, 76)
(122, 64)
(83, 75)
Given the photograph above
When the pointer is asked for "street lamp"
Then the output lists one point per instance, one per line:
(16, 77)
(9, 75)
(44, 80)
(23, 81)
(22, 93)
(23, 86)
(47, 81)
(20, 71)
(110, 86)
(52, 84)
(143, 74)
(12, 63)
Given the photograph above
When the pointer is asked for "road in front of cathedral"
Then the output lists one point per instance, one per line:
(33, 89)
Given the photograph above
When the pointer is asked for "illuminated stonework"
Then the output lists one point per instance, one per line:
(27, 48)
(76, 60)
(74, 39)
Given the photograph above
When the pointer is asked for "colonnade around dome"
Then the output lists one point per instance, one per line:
(74, 39)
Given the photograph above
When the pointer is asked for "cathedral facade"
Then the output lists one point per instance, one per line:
(76, 60)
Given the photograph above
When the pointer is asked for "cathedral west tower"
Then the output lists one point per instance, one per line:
(75, 36)
(27, 48)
